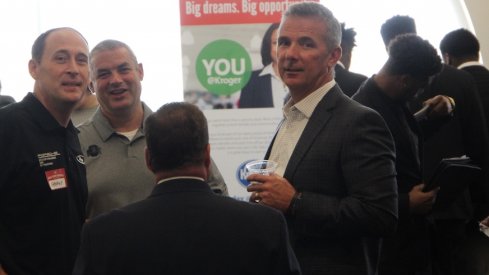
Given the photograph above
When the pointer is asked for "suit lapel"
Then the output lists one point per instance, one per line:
(318, 120)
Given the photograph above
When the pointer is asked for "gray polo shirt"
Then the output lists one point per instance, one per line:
(116, 170)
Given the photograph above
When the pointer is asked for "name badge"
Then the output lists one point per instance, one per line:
(56, 178)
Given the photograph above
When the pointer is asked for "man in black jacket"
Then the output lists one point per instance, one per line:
(411, 62)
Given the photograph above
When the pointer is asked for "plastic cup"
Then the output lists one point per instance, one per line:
(262, 167)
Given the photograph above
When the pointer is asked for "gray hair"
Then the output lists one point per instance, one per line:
(313, 9)
(111, 44)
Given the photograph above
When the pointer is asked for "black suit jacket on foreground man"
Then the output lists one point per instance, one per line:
(183, 227)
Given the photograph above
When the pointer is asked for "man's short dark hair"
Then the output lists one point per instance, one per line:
(460, 43)
(176, 136)
(410, 54)
(347, 38)
(396, 25)
(40, 42)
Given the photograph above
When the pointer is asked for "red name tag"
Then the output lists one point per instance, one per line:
(56, 178)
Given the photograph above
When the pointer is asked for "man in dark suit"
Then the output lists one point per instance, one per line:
(335, 179)
(183, 227)
(462, 133)
(411, 62)
(348, 81)
(460, 49)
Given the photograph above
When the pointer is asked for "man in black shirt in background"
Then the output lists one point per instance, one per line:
(412, 61)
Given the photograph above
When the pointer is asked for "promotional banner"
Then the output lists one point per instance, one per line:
(230, 72)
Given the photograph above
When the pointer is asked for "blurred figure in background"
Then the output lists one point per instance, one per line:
(463, 133)
(412, 61)
(5, 99)
(86, 108)
(349, 81)
(460, 49)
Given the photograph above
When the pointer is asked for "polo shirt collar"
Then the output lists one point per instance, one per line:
(101, 123)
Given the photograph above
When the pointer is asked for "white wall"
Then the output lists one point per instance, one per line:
(479, 12)
(154, 34)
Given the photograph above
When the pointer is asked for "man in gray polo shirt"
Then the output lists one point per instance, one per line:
(113, 140)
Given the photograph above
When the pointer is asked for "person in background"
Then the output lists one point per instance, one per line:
(85, 109)
(265, 89)
(335, 179)
(43, 188)
(463, 133)
(183, 227)
(412, 61)
(5, 99)
(113, 140)
(460, 49)
(348, 81)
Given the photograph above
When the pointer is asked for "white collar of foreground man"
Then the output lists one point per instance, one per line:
(177, 178)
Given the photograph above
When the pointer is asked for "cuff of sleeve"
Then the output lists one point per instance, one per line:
(293, 203)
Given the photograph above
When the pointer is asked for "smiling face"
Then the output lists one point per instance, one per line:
(62, 73)
(117, 80)
(304, 59)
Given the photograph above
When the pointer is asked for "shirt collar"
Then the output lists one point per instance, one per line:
(468, 64)
(181, 177)
(101, 123)
(307, 105)
(43, 117)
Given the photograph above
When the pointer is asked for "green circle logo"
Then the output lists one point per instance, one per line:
(223, 67)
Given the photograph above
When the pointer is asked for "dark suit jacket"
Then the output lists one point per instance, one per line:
(6, 100)
(343, 164)
(183, 228)
(481, 77)
(258, 92)
(349, 81)
(462, 134)
(409, 248)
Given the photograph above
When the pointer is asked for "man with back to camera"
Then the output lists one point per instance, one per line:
(43, 188)
(462, 133)
(113, 140)
(412, 61)
(460, 49)
(183, 227)
(335, 180)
